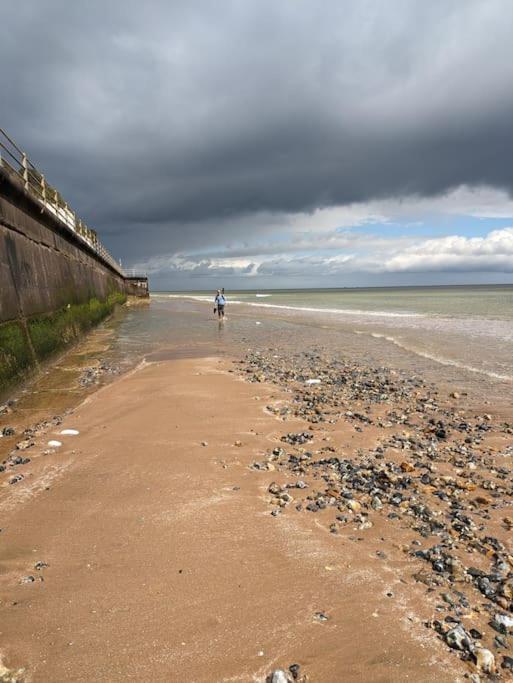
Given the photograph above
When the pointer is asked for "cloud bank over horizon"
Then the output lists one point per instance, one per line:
(268, 142)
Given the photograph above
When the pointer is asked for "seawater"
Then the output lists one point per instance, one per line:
(459, 338)
(462, 335)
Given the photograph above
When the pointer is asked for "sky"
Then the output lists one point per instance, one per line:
(274, 143)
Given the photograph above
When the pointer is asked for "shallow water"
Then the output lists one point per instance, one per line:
(467, 327)
(457, 337)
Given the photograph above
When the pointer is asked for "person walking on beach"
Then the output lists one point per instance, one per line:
(219, 303)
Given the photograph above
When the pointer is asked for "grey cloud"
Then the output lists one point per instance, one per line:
(165, 122)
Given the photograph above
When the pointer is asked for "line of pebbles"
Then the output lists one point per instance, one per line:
(433, 468)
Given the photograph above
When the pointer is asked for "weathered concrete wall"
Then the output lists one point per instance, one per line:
(42, 266)
(49, 280)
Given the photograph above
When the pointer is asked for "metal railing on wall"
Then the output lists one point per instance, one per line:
(17, 164)
(133, 272)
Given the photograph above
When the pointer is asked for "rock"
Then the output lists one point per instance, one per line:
(204, 443)
(507, 663)
(294, 670)
(320, 616)
(458, 639)
(376, 503)
(456, 568)
(502, 622)
(11, 675)
(485, 661)
(500, 641)
(482, 500)
(454, 394)
(354, 505)
(22, 445)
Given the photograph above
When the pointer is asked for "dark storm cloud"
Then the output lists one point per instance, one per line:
(163, 122)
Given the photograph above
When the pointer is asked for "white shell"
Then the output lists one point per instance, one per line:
(54, 444)
(70, 432)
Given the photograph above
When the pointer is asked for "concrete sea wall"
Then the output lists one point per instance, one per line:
(53, 286)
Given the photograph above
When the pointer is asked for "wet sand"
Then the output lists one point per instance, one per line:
(165, 564)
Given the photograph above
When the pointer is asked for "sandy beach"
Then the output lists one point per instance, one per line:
(177, 536)
(256, 342)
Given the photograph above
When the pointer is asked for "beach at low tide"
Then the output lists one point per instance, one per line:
(246, 498)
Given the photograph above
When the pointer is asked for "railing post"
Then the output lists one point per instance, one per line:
(43, 189)
(24, 165)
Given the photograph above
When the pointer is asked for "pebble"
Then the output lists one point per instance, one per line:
(294, 670)
(485, 661)
(320, 616)
(507, 662)
(458, 639)
(503, 622)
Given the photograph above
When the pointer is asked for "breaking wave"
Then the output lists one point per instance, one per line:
(301, 309)
(437, 359)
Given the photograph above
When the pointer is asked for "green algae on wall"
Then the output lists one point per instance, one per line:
(48, 334)
(15, 354)
(53, 332)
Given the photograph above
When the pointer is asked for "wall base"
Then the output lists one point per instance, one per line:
(23, 344)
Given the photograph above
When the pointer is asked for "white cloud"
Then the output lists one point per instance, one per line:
(493, 253)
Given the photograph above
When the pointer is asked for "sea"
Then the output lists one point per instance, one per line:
(460, 335)
(458, 338)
